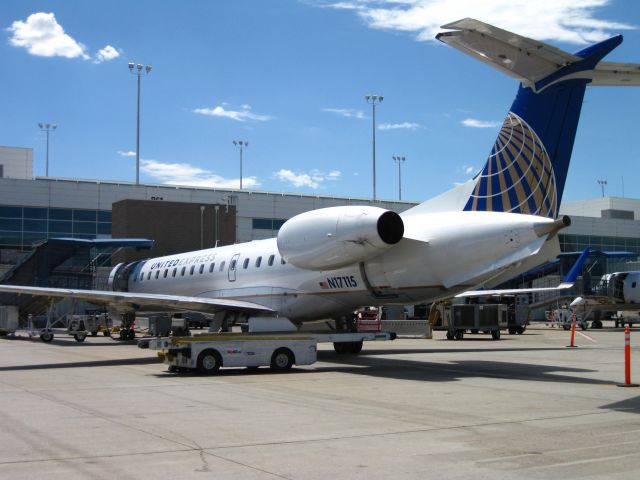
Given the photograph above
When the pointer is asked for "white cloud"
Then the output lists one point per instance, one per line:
(474, 123)
(396, 126)
(107, 53)
(313, 179)
(346, 112)
(571, 21)
(129, 153)
(186, 174)
(43, 36)
(239, 115)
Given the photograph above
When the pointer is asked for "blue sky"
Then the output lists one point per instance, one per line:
(289, 77)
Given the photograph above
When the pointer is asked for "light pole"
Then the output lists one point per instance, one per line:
(373, 99)
(241, 144)
(399, 160)
(137, 70)
(47, 127)
(602, 184)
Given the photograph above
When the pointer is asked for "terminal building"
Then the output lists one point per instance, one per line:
(182, 218)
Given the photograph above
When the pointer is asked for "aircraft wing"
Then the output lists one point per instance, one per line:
(567, 282)
(140, 301)
(603, 304)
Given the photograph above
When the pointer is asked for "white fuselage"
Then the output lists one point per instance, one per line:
(440, 254)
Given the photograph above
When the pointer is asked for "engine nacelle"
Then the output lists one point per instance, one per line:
(335, 237)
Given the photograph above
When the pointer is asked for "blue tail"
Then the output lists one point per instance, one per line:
(527, 168)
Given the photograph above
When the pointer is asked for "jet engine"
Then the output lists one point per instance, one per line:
(335, 237)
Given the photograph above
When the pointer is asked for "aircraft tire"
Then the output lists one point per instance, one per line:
(495, 334)
(80, 337)
(281, 360)
(459, 335)
(209, 362)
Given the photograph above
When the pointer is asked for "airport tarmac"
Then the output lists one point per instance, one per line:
(524, 407)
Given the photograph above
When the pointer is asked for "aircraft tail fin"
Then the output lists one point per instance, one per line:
(527, 167)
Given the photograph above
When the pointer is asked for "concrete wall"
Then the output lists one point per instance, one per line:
(16, 162)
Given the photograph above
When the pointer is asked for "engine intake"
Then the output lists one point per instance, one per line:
(335, 237)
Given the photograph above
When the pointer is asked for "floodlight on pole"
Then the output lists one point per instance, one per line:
(47, 127)
(137, 70)
(373, 99)
(241, 144)
(399, 160)
(602, 184)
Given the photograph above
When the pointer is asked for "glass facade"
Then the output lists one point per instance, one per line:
(21, 227)
(267, 223)
(574, 243)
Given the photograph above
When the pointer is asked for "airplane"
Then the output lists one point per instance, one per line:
(615, 292)
(327, 263)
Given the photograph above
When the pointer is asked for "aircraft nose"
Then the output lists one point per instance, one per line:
(550, 227)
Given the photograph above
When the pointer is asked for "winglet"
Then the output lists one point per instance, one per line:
(572, 276)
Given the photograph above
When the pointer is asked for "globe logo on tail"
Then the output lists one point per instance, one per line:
(518, 176)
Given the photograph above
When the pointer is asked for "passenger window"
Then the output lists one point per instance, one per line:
(157, 274)
(633, 285)
(201, 268)
(222, 266)
(271, 258)
(258, 262)
(184, 269)
(193, 267)
(232, 265)
(166, 271)
(142, 276)
(246, 263)
(149, 276)
(211, 267)
(175, 270)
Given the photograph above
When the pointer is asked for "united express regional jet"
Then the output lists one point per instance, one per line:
(329, 262)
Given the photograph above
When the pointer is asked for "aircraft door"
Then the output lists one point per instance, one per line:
(233, 264)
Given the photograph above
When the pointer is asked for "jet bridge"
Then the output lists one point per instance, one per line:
(51, 264)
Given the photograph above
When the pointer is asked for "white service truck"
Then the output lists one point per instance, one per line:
(280, 351)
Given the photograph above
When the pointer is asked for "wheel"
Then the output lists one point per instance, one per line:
(341, 348)
(459, 335)
(355, 347)
(474, 331)
(450, 335)
(131, 335)
(79, 337)
(596, 324)
(512, 330)
(46, 336)
(282, 359)
(172, 369)
(520, 330)
(94, 334)
(123, 334)
(209, 362)
(495, 334)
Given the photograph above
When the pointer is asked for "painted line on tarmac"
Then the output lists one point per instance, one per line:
(588, 337)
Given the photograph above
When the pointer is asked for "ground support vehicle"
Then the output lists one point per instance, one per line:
(208, 352)
(486, 318)
(46, 327)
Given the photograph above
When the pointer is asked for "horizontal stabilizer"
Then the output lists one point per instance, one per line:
(530, 61)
